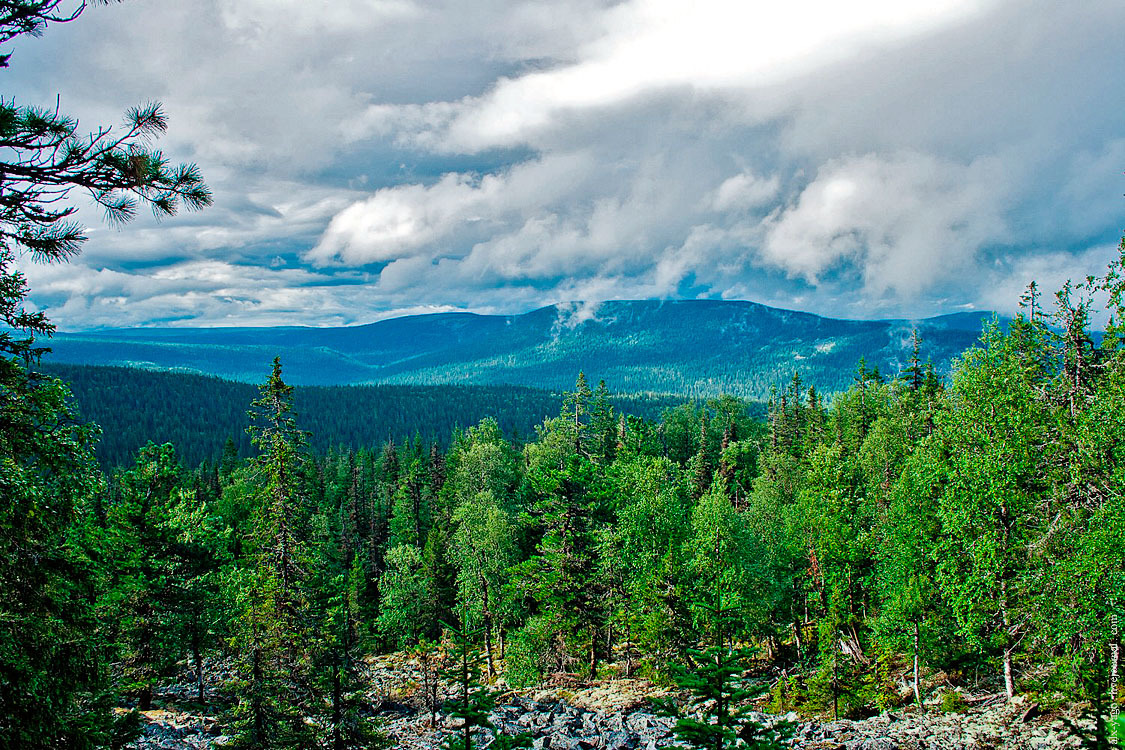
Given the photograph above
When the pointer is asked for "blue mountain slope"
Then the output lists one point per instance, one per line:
(697, 347)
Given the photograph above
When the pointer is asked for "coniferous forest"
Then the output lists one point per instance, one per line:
(197, 413)
(848, 546)
(836, 555)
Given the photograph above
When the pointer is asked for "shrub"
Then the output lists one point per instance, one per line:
(953, 702)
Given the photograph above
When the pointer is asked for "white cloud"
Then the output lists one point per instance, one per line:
(907, 221)
(209, 292)
(1049, 269)
(649, 45)
(744, 191)
(866, 159)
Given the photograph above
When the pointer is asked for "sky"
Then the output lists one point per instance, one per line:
(373, 158)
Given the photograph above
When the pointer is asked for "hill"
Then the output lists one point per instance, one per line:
(693, 348)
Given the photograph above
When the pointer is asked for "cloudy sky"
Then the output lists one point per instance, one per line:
(377, 157)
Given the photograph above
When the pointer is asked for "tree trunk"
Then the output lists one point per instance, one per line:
(465, 725)
(835, 691)
(917, 685)
(594, 657)
(197, 657)
(488, 645)
(337, 713)
(628, 649)
(256, 708)
(487, 629)
(1009, 681)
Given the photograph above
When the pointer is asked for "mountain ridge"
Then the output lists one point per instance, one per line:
(688, 347)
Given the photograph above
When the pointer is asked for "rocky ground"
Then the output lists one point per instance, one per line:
(614, 715)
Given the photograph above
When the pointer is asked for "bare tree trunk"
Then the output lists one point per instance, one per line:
(488, 645)
(609, 643)
(257, 709)
(337, 712)
(917, 686)
(487, 629)
(1009, 681)
(628, 648)
(835, 690)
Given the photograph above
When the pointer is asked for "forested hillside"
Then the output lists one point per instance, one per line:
(698, 348)
(831, 560)
(198, 414)
(913, 516)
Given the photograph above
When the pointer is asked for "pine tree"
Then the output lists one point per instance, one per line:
(53, 689)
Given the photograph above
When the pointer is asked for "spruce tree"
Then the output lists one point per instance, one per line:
(716, 716)
(339, 675)
(562, 575)
(273, 628)
(472, 702)
(144, 547)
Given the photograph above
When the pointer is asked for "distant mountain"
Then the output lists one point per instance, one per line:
(694, 348)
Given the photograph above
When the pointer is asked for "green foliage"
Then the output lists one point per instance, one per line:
(526, 661)
(562, 575)
(1095, 686)
(53, 685)
(953, 702)
(850, 546)
(472, 701)
(197, 413)
(338, 672)
(716, 715)
(54, 689)
(714, 718)
(160, 539)
(404, 589)
(273, 622)
(484, 549)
